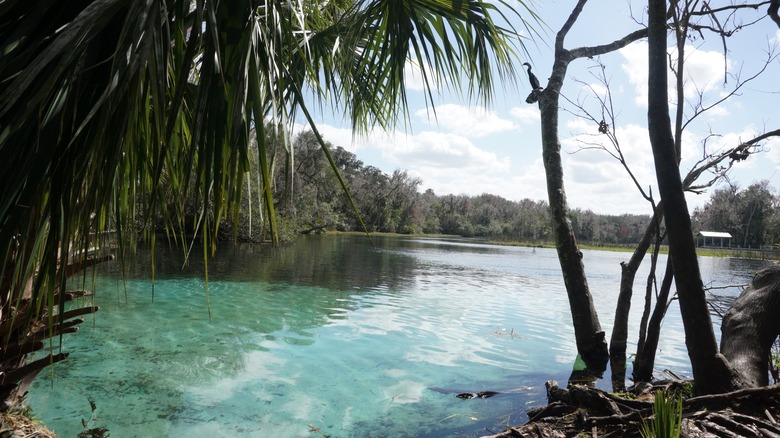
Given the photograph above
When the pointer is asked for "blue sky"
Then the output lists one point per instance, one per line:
(472, 150)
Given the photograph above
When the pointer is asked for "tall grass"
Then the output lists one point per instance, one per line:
(667, 417)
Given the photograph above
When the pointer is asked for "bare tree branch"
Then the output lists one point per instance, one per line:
(607, 108)
(771, 56)
(706, 10)
(774, 5)
(589, 52)
(575, 13)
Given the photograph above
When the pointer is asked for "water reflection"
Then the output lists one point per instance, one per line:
(310, 260)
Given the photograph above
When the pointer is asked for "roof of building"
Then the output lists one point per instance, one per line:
(715, 234)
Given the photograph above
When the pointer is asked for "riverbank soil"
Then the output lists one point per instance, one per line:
(584, 411)
(20, 426)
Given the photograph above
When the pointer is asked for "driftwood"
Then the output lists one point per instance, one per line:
(585, 411)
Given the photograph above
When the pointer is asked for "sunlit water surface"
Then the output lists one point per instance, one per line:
(331, 337)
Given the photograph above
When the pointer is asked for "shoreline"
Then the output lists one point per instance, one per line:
(742, 253)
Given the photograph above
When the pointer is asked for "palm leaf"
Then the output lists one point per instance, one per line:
(117, 114)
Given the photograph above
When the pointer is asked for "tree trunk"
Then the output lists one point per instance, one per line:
(618, 341)
(591, 343)
(751, 326)
(710, 370)
(647, 346)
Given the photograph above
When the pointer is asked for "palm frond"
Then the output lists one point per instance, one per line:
(119, 114)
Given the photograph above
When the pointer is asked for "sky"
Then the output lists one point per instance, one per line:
(469, 149)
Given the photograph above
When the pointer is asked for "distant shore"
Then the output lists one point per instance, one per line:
(708, 252)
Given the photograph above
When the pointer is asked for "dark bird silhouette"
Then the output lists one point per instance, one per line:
(536, 87)
(603, 127)
(740, 153)
(532, 78)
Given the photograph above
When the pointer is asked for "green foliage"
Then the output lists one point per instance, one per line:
(121, 116)
(774, 360)
(667, 417)
(686, 389)
(750, 215)
(309, 198)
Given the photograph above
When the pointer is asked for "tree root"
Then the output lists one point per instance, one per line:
(584, 411)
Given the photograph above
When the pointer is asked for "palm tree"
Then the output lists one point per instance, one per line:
(114, 111)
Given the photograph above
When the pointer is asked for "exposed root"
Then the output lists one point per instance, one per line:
(18, 426)
(584, 411)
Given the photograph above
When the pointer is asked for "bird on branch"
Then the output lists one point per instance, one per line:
(536, 87)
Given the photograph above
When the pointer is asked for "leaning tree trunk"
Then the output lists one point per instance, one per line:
(618, 341)
(711, 371)
(751, 326)
(648, 342)
(591, 343)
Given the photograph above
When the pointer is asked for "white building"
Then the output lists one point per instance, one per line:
(715, 238)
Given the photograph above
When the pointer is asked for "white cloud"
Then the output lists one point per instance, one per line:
(596, 180)
(636, 69)
(415, 81)
(338, 136)
(701, 144)
(448, 163)
(596, 88)
(465, 121)
(773, 150)
(528, 181)
(451, 163)
(526, 115)
(435, 150)
(720, 143)
(704, 70)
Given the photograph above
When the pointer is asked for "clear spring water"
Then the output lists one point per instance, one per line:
(331, 337)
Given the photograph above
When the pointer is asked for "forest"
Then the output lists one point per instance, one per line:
(310, 200)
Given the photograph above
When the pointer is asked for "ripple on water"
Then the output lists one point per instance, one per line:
(352, 353)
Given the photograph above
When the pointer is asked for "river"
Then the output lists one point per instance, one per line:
(331, 336)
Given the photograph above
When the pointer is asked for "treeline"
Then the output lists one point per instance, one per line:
(311, 200)
(751, 215)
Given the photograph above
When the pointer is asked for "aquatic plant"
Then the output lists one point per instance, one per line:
(667, 417)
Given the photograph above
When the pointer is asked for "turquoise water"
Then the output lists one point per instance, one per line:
(331, 337)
